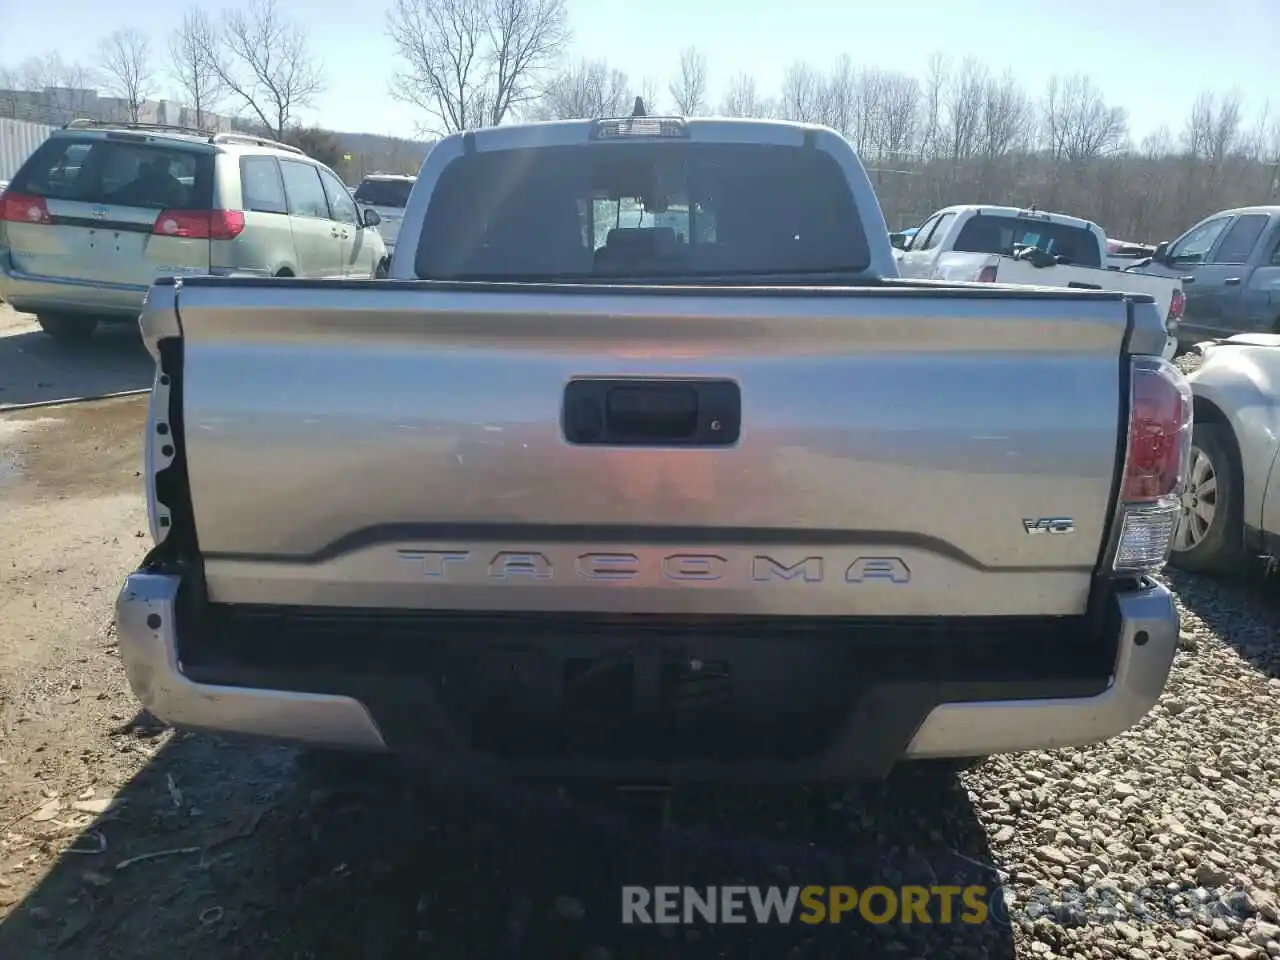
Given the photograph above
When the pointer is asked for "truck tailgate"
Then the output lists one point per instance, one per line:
(1090, 278)
(406, 447)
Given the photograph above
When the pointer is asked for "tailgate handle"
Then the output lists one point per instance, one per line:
(652, 412)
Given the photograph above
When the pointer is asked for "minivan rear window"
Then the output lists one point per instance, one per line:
(131, 173)
(988, 233)
(384, 193)
(644, 210)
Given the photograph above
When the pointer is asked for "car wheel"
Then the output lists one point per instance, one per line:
(67, 329)
(1210, 533)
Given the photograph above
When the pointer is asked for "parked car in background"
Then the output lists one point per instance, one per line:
(1231, 506)
(700, 499)
(1031, 247)
(101, 210)
(1229, 265)
(387, 193)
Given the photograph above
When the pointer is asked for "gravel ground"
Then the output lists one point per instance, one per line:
(119, 838)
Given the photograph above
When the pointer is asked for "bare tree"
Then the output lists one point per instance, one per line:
(689, 88)
(743, 99)
(10, 92)
(1080, 126)
(193, 63)
(865, 109)
(472, 63)
(803, 94)
(264, 60)
(649, 94)
(842, 101)
(964, 105)
(899, 115)
(128, 69)
(1006, 117)
(61, 89)
(588, 89)
(937, 78)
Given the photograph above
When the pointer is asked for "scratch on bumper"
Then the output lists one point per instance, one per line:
(146, 622)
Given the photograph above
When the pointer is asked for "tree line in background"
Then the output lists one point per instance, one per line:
(960, 133)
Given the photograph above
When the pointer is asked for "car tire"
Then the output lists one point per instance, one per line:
(1213, 543)
(66, 328)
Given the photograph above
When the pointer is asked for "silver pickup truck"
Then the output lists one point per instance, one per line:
(645, 464)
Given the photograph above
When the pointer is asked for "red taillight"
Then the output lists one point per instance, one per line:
(199, 224)
(1160, 416)
(1155, 466)
(20, 208)
(987, 274)
(1176, 306)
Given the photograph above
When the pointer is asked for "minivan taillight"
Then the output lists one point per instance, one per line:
(199, 224)
(987, 274)
(1157, 459)
(21, 208)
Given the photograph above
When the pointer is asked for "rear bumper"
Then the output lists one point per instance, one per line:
(871, 737)
(29, 293)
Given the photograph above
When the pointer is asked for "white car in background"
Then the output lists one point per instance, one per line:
(1231, 506)
(386, 193)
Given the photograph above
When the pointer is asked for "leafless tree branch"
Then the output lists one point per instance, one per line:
(193, 64)
(128, 69)
(689, 88)
(264, 60)
(743, 99)
(587, 89)
(471, 63)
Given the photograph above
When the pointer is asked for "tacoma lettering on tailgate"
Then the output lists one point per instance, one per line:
(526, 565)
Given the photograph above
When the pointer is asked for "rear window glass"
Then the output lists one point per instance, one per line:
(384, 193)
(992, 234)
(641, 210)
(119, 172)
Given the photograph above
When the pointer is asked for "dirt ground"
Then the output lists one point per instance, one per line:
(120, 838)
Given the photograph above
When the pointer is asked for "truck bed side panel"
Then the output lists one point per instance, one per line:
(406, 450)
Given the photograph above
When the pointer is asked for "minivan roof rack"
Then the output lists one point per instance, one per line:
(82, 122)
(255, 140)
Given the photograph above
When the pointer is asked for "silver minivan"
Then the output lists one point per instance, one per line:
(99, 211)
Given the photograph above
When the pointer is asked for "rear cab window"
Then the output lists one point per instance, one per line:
(384, 193)
(999, 234)
(644, 210)
(125, 169)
